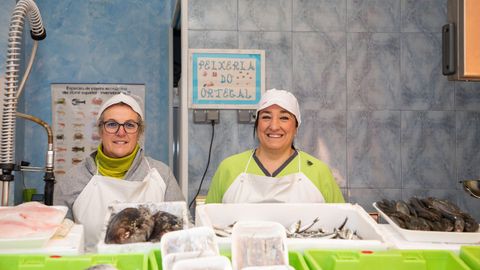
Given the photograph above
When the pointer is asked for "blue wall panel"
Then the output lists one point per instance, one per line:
(102, 41)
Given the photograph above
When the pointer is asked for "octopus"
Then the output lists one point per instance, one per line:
(131, 225)
(164, 222)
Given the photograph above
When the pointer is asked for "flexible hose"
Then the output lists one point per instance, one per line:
(26, 74)
(50, 151)
(49, 177)
(23, 8)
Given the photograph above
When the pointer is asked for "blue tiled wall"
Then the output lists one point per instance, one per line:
(95, 41)
(367, 73)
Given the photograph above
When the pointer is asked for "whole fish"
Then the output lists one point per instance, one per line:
(164, 222)
(131, 225)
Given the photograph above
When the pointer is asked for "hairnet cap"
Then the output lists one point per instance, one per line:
(121, 98)
(283, 99)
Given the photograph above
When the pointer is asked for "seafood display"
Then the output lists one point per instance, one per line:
(315, 225)
(428, 214)
(31, 219)
(133, 225)
(164, 222)
(296, 230)
(302, 230)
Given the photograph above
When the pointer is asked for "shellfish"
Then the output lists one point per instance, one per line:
(428, 214)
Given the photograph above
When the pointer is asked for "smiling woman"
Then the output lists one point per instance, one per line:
(275, 171)
(117, 171)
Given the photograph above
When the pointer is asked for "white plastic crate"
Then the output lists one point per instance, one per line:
(432, 236)
(178, 209)
(330, 216)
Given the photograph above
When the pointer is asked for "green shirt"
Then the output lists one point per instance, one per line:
(317, 171)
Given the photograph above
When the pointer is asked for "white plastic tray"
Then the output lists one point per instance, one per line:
(432, 236)
(71, 244)
(33, 241)
(178, 209)
(331, 216)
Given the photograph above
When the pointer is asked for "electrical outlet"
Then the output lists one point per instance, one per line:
(246, 116)
(206, 116)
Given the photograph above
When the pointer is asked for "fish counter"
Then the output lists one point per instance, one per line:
(244, 236)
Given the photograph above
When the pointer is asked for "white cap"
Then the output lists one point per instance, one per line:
(283, 99)
(121, 98)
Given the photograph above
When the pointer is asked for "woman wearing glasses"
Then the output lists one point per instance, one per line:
(118, 171)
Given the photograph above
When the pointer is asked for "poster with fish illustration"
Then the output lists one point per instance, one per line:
(74, 114)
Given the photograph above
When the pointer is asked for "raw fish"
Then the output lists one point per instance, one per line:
(30, 219)
(164, 222)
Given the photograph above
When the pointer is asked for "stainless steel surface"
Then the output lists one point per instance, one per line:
(472, 187)
(31, 169)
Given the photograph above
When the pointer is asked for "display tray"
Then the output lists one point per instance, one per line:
(178, 209)
(34, 240)
(380, 260)
(330, 216)
(431, 236)
(471, 256)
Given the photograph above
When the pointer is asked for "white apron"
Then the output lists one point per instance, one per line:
(292, 188)
(91, 205)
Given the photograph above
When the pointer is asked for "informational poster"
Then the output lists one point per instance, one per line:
(225, 79)
(75, 108)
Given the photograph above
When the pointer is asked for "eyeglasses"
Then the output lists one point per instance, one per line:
(112, 127)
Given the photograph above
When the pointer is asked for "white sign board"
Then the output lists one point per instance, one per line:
(75, 108)
(225, 79)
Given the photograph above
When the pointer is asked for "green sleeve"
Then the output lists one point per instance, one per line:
(330, 189)
(321, 176)
(215, 192)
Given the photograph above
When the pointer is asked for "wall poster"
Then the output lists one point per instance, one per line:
(74, 110)
(225, 79)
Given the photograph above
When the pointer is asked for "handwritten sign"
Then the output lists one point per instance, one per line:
(226, 79)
